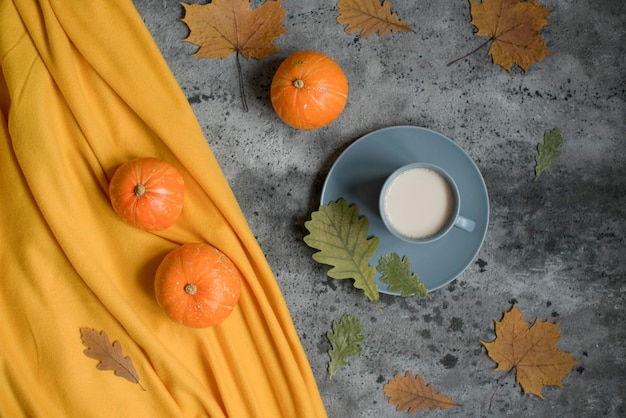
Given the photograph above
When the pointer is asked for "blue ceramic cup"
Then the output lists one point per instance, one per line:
(420, 203)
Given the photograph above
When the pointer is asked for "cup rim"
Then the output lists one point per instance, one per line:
(453, 215)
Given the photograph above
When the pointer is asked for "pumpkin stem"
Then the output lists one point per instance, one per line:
(298, 83)
(191, 289)
(139, 190)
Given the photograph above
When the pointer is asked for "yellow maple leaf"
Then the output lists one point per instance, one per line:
(412, 393)
(226, 26)
(513, 28)
(222, 27)
(532, 352)
(369, 16)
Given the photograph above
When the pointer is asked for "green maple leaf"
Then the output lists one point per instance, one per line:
(340, 234)
(397, 274)
(548, 151)
(345, 337)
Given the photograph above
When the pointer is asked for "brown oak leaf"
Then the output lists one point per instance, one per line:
(110, 355)
(412, 393)
(222, 27)
(532, 352)
(513, 29)
(369, 16)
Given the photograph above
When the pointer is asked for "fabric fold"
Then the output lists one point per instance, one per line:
(84, 89)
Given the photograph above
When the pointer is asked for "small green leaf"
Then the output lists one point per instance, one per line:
(340, 234)
(397, 274)
(548, 151)
(345, 337)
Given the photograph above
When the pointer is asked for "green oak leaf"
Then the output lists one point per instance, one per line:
(345, 337)
(341, 237)
(397, 274)
(548, 151)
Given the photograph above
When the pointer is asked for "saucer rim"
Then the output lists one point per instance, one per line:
(415, 131)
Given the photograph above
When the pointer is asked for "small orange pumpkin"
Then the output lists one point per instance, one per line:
(309, 90)
(197, 285)
(147, 193)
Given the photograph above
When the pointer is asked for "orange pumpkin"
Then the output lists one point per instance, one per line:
(197, 285)
(147, 193)
(309, 90)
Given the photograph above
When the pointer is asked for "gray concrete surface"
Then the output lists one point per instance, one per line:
(555, 247)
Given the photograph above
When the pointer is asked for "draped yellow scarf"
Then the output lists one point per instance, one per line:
(84, 88)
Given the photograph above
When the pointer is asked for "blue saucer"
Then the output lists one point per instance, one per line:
(360, 171)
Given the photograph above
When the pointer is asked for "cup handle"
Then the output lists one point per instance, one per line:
(465, 224)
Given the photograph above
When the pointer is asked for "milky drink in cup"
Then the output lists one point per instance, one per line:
(420, 203)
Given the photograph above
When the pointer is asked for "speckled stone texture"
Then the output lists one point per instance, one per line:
(554, 246)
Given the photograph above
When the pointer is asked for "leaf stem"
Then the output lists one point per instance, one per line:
(472, 52)
(508, 372)
(241, 89)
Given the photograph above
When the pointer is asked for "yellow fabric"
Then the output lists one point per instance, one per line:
(83, 88)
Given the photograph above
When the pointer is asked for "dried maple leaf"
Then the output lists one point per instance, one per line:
(222, 27)
(226, 26)
(110, 355)
(513, 30)
(412, 393)
(369, 16)
(532, 352)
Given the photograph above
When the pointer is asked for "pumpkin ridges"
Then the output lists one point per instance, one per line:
(160, 175)
(321, 102)
(165, 287)
(322, 98)
(174, 263)
(300, 99)
(160, 205)
(217, 281)
(156, 173)
(314, 64)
